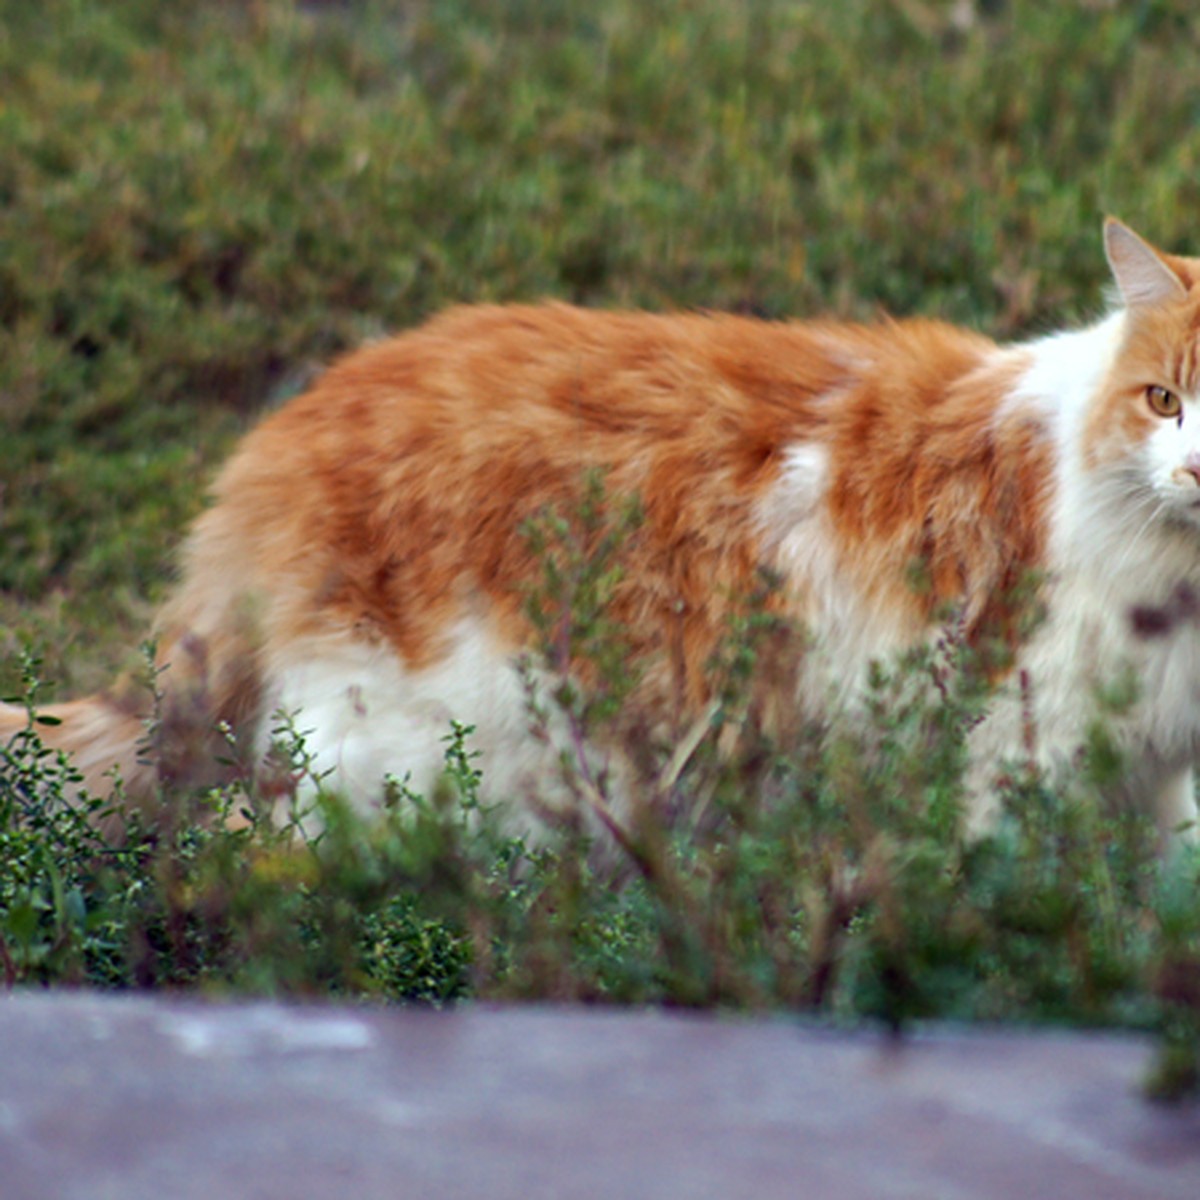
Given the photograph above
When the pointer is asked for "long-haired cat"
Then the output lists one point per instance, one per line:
(363, 567)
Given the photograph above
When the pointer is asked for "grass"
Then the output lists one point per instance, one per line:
(201, 204)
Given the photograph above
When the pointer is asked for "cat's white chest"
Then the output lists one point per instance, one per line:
(1113, 650)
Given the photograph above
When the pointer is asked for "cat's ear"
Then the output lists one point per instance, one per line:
(1142, 274)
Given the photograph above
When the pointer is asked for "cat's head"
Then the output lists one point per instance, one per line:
(1148, 411)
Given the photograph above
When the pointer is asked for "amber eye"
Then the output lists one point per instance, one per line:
(1165, 403)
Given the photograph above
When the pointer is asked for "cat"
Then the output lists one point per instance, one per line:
(363, 566)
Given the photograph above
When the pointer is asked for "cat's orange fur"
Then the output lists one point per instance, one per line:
(371, 517)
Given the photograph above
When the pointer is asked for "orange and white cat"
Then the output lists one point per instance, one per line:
(362, 564)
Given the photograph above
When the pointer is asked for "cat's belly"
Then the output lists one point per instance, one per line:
(366, 717)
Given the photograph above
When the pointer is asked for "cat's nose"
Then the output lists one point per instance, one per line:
(1191, 464)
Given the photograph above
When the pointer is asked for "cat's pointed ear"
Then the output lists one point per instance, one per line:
(1142, 274)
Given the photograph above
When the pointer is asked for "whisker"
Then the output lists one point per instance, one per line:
(1134, 542)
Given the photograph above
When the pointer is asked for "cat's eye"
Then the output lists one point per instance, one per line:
(1165, 403)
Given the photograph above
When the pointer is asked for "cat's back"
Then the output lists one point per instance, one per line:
(593, 387)
(505, 409)
(546, 368)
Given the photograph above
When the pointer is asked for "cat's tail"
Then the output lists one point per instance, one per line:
(105, 741)
(180, 727)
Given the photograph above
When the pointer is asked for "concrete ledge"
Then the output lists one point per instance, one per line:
(130, 1098)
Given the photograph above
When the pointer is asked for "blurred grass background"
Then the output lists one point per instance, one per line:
(201, 204)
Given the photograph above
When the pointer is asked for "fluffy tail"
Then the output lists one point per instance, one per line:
(176, 731)
(102, 737)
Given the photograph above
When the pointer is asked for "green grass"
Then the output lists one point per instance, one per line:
(201, 204)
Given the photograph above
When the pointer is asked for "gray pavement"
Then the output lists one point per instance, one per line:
(130, 1098)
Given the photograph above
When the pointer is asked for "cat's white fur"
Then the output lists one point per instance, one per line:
(364, 717)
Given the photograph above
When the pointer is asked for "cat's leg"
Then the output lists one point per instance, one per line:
(1174, 807)
(365, 716)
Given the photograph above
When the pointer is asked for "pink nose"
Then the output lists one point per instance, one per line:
(1191, 464)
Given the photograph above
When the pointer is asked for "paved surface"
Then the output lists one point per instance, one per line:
(129, 1098)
